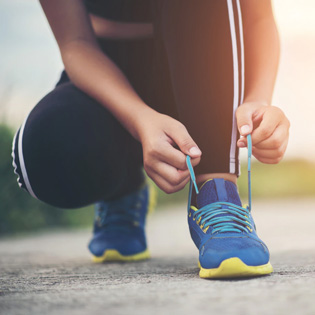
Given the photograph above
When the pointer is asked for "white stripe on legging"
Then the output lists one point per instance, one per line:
(13, 160)
(22, 163)
(236, 86)
(242, 50)
(240, 21)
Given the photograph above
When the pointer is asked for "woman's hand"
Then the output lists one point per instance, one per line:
(269, 127)
(166, 142)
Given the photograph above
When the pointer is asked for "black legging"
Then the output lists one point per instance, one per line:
(71, 151)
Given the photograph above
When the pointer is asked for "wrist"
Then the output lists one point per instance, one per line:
(253, 100)
(144, 115)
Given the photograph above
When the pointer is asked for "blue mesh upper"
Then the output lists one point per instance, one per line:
(214, 248)
(209, 194)
(120, 224)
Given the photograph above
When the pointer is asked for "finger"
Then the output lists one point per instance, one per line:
(175, 157)
(268, 125)
(166, 186)
(268, 161)
(271, 153)
(184, 141)
(195, 161)
(280, 135)
(172, 156)
(171, 174)
(267, 154)
(244, 118)
(242, 142)
(276, 140)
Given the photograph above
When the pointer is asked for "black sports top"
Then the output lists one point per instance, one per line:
(121, 10)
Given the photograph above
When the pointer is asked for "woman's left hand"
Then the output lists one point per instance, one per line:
(269, 128)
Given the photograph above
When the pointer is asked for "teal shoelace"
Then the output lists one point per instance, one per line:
(223, 216)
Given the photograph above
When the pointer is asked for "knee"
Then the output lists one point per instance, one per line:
(64, 177)
(44, 161)
(41, 171)
(68, 152)
(40, 151)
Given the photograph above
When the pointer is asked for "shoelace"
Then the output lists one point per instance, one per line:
(223, 216)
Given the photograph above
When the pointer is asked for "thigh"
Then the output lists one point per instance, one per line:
(71, 151)
(202, 40)
(145, 64)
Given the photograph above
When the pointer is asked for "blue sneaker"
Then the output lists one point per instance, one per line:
(119, 227)
(224, 231)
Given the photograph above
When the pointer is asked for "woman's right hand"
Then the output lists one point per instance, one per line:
(166, 142)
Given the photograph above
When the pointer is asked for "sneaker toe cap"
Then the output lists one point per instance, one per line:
(251, 251)
(124, 244)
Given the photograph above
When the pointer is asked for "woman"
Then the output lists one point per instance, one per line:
(139, 94)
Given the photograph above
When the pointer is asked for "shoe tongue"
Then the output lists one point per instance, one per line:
(218, 189)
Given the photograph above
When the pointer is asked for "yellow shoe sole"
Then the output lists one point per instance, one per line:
(114, 255)
(235, 268)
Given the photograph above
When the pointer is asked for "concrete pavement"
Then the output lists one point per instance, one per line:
(51, 273)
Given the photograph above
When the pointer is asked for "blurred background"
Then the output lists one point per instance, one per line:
(30, 66)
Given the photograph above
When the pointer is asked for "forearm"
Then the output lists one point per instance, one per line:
(261, 41)
(94, 73)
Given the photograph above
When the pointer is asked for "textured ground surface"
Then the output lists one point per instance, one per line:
(51, 273)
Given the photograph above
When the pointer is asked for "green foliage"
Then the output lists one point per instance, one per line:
(289, 179)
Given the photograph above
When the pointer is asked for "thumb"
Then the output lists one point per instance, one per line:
(244, 118)
(184, 141)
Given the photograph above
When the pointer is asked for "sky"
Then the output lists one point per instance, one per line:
(30, 66)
